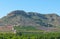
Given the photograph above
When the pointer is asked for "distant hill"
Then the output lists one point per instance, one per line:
(32, 19)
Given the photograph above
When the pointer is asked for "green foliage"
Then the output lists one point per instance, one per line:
(30, 35)
(20, 28)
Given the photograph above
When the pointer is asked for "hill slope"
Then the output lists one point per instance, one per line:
(36, 20)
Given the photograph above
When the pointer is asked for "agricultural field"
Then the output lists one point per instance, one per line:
(30, 35)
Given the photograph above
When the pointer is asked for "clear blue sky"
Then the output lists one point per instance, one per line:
(41, 6)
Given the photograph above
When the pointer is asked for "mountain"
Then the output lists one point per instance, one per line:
(32, 19)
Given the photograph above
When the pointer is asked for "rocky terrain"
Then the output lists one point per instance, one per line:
(37, 20)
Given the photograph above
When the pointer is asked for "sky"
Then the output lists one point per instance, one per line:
(40, 6)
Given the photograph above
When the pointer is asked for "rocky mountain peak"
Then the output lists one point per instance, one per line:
(17, 12)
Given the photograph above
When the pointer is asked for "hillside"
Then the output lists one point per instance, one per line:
(32, 20)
